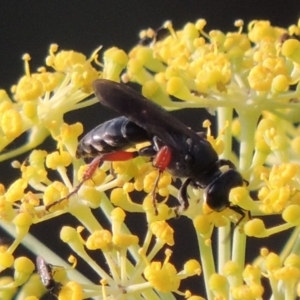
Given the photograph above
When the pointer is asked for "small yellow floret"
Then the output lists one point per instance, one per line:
(6, 260)
(99, 239)
(260, 30)
(289, 274)
(115, 61)
(58, 159)
(16, 190)
(273, 262)
(23, 264)
(231, 268)
(192, 267)
(92, 196)
(200, 24)
(162, 277)
(247, 292)
(22, 222)
(292, 214)
(50, 81)
(68, 234)
(30, 109)
(11, 123)
(8, 289)
(202, 224)
(240, 196)
(218, 283)
(64, 61)
(255, 227)
(54, 192)
(29, 89)
(23, 269)
(260, 78)
(118, 215)
(71, 291)
(163, 232)
(291, 49)
(280, 83)
(292, 260)
(252, 274)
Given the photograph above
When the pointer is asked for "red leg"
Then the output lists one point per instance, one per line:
(115, 156)
(161, 162)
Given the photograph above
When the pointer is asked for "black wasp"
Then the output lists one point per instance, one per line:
(46, 275)
(175, 147)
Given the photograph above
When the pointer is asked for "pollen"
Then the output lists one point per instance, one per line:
(16, 191)
(29, 88)
(64, 61)
(247, 292)
(260, 79)
(83, 75)
(288, 274)
(162, 277)
(99, 239)
(58, 159)
(11, 123)
(54, 192)
(163, 232)
(260, 30)
(50, 81)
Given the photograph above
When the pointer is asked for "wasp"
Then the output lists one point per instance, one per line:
(173, 146)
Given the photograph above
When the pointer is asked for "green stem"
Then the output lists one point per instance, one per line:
(207, 262)
(248, 120)
(239, 250)
(224, 117)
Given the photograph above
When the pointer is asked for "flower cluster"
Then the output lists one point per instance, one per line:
(249, 79)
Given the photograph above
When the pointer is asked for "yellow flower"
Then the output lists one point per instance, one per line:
(249, 79)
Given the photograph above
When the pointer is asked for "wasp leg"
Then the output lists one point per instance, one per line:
(183, 198)
(161, 162)
(226, 162)
(242, 213)
(97, 161)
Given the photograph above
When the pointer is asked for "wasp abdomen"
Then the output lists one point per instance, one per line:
(114, 135)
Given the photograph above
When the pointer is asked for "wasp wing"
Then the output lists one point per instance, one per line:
(143, 112)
